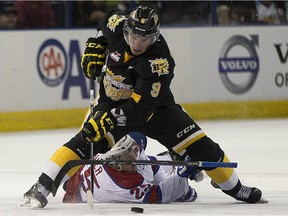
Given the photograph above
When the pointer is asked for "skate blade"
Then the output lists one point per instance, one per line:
(24, 203)
(29, 203)
(263, 201)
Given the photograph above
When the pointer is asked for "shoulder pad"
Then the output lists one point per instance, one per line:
(114, 21)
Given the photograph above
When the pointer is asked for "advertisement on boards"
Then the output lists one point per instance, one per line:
(45, 72)
(41, 69)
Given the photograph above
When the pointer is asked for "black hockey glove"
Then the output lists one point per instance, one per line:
(98, 126)
(94, 56)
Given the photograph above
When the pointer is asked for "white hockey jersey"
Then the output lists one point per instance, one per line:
(149, 184)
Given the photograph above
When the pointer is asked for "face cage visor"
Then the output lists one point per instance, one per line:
(127, 30)
(114, 154)
(125, 156)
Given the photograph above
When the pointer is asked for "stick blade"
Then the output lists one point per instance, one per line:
(90, 199)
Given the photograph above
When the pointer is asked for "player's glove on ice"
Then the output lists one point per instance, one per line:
(94, 56)
(98, 126)
(190, 172)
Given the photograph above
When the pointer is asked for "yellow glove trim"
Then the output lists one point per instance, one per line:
(96, 129)
(93, 123)
(102, 122)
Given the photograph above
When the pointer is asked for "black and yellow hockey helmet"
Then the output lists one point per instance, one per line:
(143, 21)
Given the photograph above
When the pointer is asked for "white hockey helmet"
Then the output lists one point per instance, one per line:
(123, 146)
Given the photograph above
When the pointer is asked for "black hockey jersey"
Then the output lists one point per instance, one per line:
(140, 85)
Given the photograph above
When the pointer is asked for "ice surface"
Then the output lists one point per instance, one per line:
(260, 147)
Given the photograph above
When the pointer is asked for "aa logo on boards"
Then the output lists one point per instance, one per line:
(55, 65)
(52, 62)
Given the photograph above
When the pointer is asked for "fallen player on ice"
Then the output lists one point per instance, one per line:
(132, 183)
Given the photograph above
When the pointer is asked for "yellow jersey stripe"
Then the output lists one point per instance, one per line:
(136, 97)
(127, 57)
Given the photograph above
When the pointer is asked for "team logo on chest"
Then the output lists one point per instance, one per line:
(160, 66)
(115, 56)
(115, 88)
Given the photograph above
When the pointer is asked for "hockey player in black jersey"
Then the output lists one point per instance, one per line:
(135, 95)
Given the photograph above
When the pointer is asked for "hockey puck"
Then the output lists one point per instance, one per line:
(137, 210)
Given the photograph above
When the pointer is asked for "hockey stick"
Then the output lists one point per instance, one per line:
(73, 163)
(89, 194)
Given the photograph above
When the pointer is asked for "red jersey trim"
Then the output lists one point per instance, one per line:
(126, 180)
